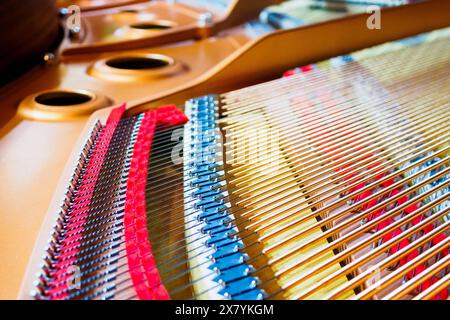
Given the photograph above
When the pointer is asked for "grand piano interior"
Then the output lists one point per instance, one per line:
(226, 149)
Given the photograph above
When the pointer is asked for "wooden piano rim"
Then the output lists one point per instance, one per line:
(427, 16)
(111, 5)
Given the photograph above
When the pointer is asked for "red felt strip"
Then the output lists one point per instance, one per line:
(141, 263)
(303, 69)
(72, 238)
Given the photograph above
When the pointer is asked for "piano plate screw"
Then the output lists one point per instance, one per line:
(261, 296)
(49, 58)
(63, 12)
(74, 33)
(41, 278)
(205, 19)
(36, 295)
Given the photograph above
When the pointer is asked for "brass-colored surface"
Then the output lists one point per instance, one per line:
(105, 70)
(32, 156)
(184, 63)
(32, 108)
(105, 30)
(111, 29)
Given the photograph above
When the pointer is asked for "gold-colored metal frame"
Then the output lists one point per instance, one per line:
(31, 108)
(187, 27)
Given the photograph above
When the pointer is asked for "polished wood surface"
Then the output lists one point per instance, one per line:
(29, 28)
(89, 5)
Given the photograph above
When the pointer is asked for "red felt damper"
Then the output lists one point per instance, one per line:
(141, 263)
(62, 275)
(303, 69)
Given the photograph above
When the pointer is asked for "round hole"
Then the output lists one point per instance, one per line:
(129, 11)
(151, 26)
(137, 63)
(62, 98)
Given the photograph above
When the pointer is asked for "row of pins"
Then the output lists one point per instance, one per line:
(42, 281)
(84, 267)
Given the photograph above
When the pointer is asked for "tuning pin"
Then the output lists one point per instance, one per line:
(35, 294)
(221, 283)
(63, 12)
(227, 296)
(48, 261)
(42, 278)
(61, 221)
(262, 295)
(205, 21)
(53, 246)
(58, 228)
(75, 33)
(38, 285)
(255, 282)
(249, 270)
(56, 238)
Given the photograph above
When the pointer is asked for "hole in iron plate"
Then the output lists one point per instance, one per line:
(129, 11)
(151, 26)
(137, 63)
(62, 98)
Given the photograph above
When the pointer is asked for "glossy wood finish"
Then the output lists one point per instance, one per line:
(29, 28)
(89, 5)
